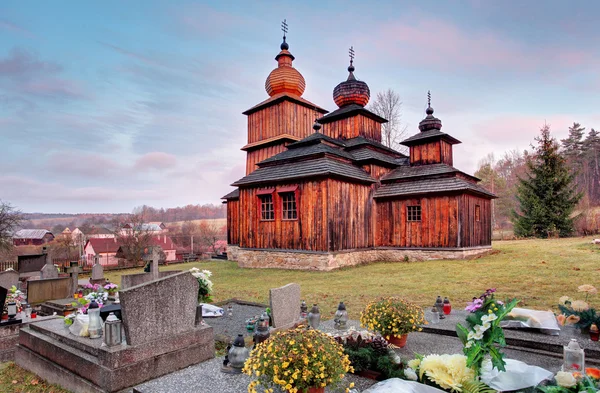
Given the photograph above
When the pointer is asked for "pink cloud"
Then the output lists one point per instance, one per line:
(21, 62)
(88, 165)
(155, 160)
(54, 87)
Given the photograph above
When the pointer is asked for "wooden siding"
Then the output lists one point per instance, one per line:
(376, 171)
(255, 156)
(438, 226)
(285, 117)
(308, 232)
(446, 153)
(352, 127)
(475, 233)
(350, 215)
(233, 221)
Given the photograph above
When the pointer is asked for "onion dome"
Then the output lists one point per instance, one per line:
(351, 91)
(429, 122)
(285, 78)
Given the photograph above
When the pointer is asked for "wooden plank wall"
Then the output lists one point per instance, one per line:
(233, 221)
(438, 226)
(376, 171)
(447, 153)
(285, 117)
(475, 233)
(427, 153)
(255, 156)
(350, 213)
(308, 232)
(352, 127)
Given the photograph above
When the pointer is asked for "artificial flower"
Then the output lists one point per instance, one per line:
(580, 305)
(572, 319)
(565, 379)
(489, 318)
(447, 371)
(561, 319)
(410, 374)
(474, 305)
(564, 300)
(587, 288)
(414, 364)
(592, 372)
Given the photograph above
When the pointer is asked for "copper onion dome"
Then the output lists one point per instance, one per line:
(429, 122)
(285, 78)
(351, 91)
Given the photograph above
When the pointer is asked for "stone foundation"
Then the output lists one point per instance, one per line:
(325, 261)
(9, 337)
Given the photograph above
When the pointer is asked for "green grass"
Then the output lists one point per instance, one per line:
(13, 379)
(537, 272)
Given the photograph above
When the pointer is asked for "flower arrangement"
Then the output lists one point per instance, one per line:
(369, 355)
(392, 316)
(205, 288)
(483, 334)
(89, 288)
(14, 295)
(447, 372)
(578, 312)
(566, 382)
(297, 360)
(111, 288)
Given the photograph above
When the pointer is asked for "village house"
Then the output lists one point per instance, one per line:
(109, 249)
(99, 233)
(333, 195)
(32, 237)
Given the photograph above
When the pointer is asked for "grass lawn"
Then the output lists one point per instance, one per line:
(537, 272)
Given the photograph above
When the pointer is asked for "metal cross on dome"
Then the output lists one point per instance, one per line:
(429, 98)
(284, 28)
(351, 52)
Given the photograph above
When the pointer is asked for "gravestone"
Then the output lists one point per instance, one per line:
(148, 315)
(97, 272)
(8, 278)
(74, 271)
(39, 291)
(49, 270)
(28, 265)
(285, 306)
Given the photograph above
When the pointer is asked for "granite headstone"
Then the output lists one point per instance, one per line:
(285, 305)
(159, 308)
(74, 271)
(97, 271)
(8, 278)
(48, 270)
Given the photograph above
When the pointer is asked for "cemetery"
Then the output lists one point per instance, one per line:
(97, 335)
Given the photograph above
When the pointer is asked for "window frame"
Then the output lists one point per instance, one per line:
(284, 205)
(413, 213)
(262, 196)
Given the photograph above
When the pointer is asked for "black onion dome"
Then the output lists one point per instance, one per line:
(429, 122)
(351, 91)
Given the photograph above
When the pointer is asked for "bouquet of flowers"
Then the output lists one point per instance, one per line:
(111, 288)
(578, 312)
(297, 360)
(577, 382)
(89, 288)
(447, 372)
(14, 295)
(205, 288)
(483, 334)
(392, 316)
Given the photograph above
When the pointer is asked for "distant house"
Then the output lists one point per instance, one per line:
(167, 246)
(154, 228)
(78, 236)
(105, 247)
(100, 233)
(160, 224)
(32, 237)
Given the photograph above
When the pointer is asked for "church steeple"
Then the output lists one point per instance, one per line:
(285, 78)
(351, 91)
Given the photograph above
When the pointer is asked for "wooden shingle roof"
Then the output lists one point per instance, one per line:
(430, 186)
(407, 172)
(431, 134)
(321, 166)
(350, 110)
(235, 194)
(301, 151)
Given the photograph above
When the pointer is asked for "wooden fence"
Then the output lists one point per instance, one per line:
(4, 265)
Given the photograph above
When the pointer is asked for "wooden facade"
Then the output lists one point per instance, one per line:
(233, 221)
(475, 228)
(434, 152)
(257, 155)
(352, 127)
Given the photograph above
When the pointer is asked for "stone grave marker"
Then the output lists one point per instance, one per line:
(28, 265)
(285, 305)
(8, 278)
(48, 270)
(97, 271)
(39, 291)
(74, 271)
(148, 314)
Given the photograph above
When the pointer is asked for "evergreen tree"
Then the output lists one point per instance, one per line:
(592, 156)
(546, 195)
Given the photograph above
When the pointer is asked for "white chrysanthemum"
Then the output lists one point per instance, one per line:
(564, 299)
(565, 379)
(447, 371)
(489, 318)
(580, 305)
(410, 374)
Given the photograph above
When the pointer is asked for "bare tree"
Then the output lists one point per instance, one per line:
(387, 104)
(10, 219)
(134, 236)
(210, 233)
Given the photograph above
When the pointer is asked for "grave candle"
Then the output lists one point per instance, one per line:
(594, 332)
(447, 306)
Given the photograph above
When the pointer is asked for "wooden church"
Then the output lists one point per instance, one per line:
(330, 194)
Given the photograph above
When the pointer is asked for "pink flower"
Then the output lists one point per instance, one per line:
(474, 305)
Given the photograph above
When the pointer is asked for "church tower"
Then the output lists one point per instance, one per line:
(285, 117)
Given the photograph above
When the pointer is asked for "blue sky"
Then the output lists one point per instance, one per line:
(109, 105)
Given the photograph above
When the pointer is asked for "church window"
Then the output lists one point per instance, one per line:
(288, 200)
(413, 213)
(267, 212)
(477, 213)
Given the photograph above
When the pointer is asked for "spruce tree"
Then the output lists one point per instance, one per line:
(547, 195)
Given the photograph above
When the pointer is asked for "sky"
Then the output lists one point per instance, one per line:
(108, 105)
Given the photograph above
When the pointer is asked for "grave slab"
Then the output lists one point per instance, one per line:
(8, 278)
(39, 291)
(285, 305)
